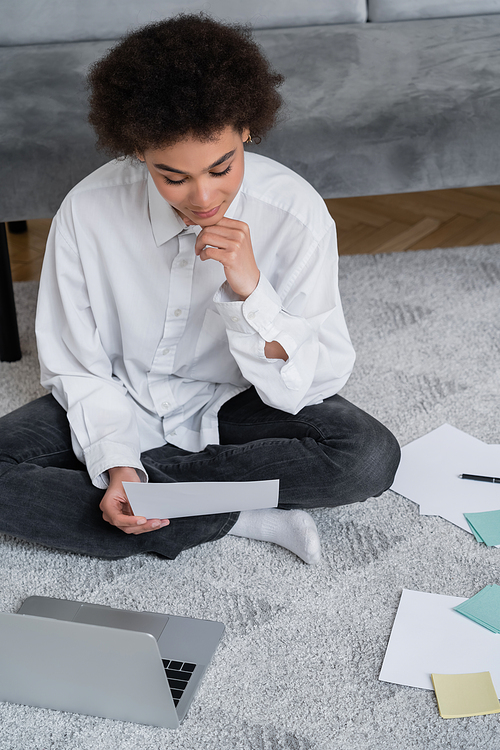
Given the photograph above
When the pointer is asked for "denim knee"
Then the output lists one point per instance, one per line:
(367, 455)
(386, 456)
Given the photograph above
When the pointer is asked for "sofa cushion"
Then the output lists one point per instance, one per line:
(46, 21)
(388, 108)
(46, 144)
(398, 10)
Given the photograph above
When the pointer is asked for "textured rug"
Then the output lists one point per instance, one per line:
(298, 666)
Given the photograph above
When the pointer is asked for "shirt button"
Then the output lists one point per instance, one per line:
(252, 315)
(165, 404)
(165, 351)
(182, 263)
(177, 313)
(235, 318)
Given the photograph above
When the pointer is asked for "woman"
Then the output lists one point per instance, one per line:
(189, 324)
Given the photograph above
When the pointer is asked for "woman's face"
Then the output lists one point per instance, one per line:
(199, 178)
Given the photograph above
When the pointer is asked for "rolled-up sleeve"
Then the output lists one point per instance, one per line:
(306, 318)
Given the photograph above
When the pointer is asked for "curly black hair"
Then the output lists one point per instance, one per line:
(185, 76)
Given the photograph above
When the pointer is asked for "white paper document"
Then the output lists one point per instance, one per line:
(429, 474)
(179, 499)
(429, 636)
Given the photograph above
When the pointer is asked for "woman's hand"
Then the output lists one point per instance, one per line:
(116, 508)
(229, 242)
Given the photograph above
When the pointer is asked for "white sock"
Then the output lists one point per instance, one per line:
(293, 529)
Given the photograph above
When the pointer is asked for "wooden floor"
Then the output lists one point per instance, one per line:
(26, 250)
(375, 224)
(417, 221)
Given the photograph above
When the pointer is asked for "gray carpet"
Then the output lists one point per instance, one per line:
(299, 663)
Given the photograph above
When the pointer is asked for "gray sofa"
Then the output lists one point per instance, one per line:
(382, 96)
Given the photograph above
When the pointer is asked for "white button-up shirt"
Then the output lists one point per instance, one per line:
(142, 342)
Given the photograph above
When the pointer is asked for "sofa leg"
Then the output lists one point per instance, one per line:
(10, 349)
(17, 227)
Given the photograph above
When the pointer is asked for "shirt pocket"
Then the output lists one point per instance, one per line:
(213, 326)
(213, 362)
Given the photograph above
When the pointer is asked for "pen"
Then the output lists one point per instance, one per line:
(477, 478)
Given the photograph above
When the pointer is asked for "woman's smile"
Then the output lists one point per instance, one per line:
(206, 214)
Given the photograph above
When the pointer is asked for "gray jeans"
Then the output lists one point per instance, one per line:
(326, 455)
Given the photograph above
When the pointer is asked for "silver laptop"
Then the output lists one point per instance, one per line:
(91, 659)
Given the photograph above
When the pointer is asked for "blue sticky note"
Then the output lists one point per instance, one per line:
(486, 526)
(483, 608)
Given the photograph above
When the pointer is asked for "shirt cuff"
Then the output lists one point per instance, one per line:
(256, 314)
(104, 455)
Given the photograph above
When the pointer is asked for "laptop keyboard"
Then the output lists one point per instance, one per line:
(178, 675)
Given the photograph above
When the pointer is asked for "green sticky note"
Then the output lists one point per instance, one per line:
(485, 526)
(460, 695)
(483, 608)
(471, 527)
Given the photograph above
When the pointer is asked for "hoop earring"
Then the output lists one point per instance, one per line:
(249, 139)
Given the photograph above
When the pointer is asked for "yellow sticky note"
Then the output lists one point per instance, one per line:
(460, 695)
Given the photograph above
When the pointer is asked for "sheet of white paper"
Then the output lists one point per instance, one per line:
(429, 636)
(430, 462)
(429, 474)
(470, 496)
(179, 499)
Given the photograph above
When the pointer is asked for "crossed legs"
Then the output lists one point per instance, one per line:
(326, 455)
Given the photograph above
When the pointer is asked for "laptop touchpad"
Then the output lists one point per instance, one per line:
(144, 622)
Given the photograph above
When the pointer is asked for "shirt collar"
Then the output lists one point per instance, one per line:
(233, 209)
(166, 222)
